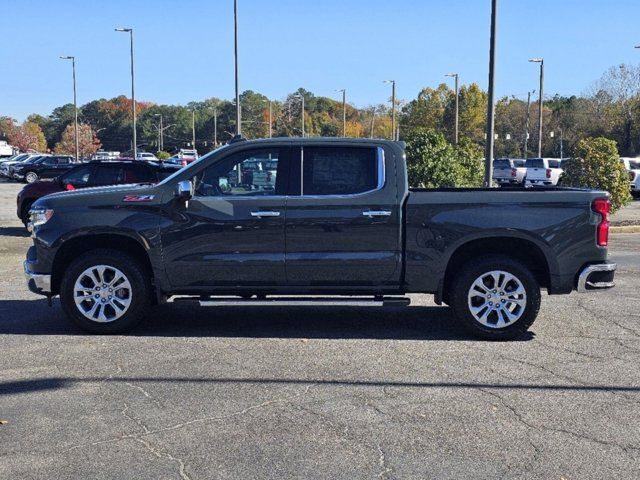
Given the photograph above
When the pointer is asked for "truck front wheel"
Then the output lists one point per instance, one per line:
(495, 297)
(105, 291)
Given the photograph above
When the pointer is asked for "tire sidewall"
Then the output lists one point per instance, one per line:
(26, 177)
(140, 290)
(476, 268)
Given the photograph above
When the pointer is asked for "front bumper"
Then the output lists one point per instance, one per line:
(596, 277)
(37, 282)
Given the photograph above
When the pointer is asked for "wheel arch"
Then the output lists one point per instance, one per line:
(532, 254)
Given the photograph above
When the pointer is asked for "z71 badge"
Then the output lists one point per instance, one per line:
(138, 198)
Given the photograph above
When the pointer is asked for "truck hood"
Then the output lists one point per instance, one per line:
(132, 188)
(102, 196)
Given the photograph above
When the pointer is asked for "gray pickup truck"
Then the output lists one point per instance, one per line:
(337, 224)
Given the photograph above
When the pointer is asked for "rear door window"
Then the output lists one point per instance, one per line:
(339, 170)
(535, 163)
(78, 177)
(501, 163)
(106, 175)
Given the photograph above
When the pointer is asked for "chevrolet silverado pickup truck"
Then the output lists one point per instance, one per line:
(341, 226)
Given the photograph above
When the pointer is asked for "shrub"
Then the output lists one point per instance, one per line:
(432, 162)
(163, 155)
(597, 165)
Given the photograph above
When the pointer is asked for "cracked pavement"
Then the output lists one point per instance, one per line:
(352, 393)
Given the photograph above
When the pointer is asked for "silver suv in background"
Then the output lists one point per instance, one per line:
(509, 171)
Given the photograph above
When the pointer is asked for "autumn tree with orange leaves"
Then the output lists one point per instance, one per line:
(88, 142)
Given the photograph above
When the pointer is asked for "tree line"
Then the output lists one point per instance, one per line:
(610, 108)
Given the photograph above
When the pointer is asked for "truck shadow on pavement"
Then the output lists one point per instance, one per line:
(34, 317)
(13, 232)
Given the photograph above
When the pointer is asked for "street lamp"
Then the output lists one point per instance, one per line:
(235, 54)
(270, 119)
(541, 62)
(193, 129)
(393, 107)
(301, 96)
(526, 127)
(344, 111)
(491, 109)
(133, 95)
(160, 133)
(455, 75)
(75, 104)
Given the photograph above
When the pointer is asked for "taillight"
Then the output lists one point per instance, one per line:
(513, 172)
(602, 206)
(184, 163)
(632, 176)
(548, 173)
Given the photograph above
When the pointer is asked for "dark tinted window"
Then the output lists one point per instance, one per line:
(518, 163)
(77, 177)
(501, 163)
(63, 160)
(535, 163)
(339, 170)
(106, 175)
(137, 174)
(554, 163)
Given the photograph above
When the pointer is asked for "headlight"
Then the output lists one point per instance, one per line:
(40, 216)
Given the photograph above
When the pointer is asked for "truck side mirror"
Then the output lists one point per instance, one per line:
(185, 189)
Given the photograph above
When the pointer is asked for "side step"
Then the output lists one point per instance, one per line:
(299, 301)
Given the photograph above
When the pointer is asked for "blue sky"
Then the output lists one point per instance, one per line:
(184, 49)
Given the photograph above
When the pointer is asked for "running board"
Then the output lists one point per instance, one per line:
(300, 302)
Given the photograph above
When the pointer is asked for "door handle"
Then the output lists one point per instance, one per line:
(261, 214)
(376, 213)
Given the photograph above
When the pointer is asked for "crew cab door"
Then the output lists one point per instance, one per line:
(231, 233)
(343, 218)
(53, 166)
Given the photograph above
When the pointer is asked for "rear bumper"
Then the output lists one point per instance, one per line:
(596, 277)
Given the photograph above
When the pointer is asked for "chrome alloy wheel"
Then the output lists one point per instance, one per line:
(102, 293)
(497, 299)
(31, 177)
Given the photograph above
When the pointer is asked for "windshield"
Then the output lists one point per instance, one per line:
(501, 163)
(193, 165)
(634, 165)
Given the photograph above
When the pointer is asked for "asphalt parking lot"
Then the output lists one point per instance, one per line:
(325, 393)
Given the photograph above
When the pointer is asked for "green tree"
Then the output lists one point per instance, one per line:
(431, 160)
(597, 165)
(470, 160)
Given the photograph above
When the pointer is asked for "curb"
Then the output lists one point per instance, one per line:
(625, 229)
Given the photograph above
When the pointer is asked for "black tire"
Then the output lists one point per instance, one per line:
(139, 293)
(462, 299)
(31, 177)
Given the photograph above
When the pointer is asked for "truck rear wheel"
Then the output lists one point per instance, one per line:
(495, 298)
(105, 291)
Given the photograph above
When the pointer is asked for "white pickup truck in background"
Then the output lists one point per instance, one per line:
(509, 171)
(543, 172)
(632, 165)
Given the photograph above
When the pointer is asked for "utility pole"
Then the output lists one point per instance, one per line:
(488, 151)
(540, 100)
(373, 119)
(344, 111)
(193, 128)
(301, 95)
(526, 125)
(133, 95)
(561, 145)
(75, 105)
(235, 39)
(270, 119)
(393, 108)
(215, 127)
(160, 133)
(455, 75)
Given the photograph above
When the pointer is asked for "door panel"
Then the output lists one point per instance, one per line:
(232, 232)
(343, 238)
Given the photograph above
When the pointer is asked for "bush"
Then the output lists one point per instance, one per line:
(432, 162)
(163, 155)
(597, 165)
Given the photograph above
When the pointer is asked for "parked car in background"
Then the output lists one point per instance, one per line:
(542, 172)
(104, 155)
(7, 164)
(187, 156)
(509, 171)
(93, 174)
(44, 168)
(13, 158)
(11, 166)
(632, 166)
(146, 156)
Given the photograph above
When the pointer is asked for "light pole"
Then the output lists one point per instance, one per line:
(270, 119)
(344, 111)
(393, 108)
(75, 105)
(235, 52)
(455, 75)
(160, 134)
(373, 119)
(215, 127)
(193, 129)
(488, 151)
(541, 62)
(301, 95)
(526, 125)
(133, 95)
